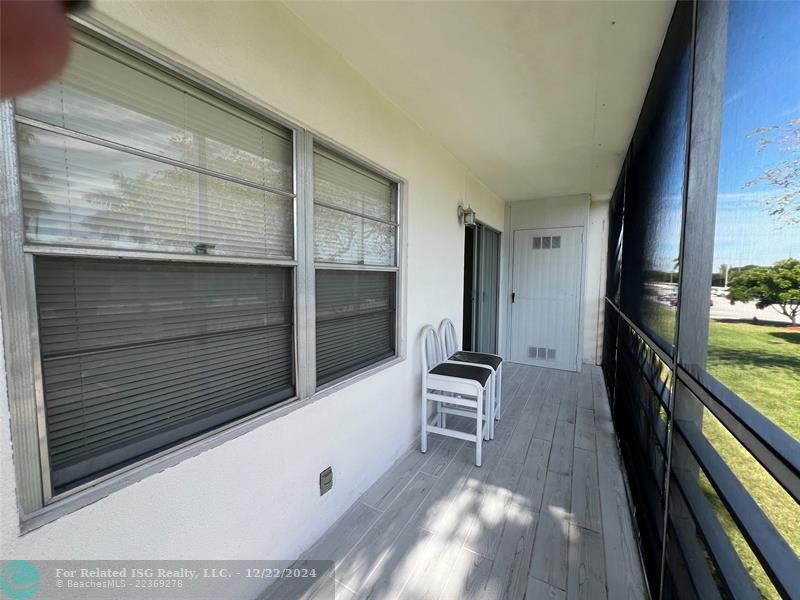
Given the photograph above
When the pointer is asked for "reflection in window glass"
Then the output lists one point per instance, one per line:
(98, 94)
(653, 205)
(76, 193)
(754, 343)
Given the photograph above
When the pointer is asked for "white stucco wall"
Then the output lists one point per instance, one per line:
(595, 288)
(564, 211)
(257, 496)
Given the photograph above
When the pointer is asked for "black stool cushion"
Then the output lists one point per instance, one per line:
(491, 360)
(478, 374)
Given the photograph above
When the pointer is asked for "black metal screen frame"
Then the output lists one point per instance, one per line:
(691, 555)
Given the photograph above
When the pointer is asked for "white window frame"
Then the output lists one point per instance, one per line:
(335, 266)
(36, 505)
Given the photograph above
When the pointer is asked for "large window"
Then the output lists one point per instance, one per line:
(355, 248)
(138, 355)
(156, 285)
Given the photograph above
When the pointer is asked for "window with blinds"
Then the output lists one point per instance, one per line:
(153, 256)
(355, 248)
(122, 168)
(355, 213)
(116, 155)
(355, 321)
(140, 355)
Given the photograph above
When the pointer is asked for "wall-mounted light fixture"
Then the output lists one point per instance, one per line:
(466, 216)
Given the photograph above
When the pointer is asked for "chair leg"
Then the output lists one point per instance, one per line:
(493, 403)
(488, 402)
(423, 434)
(479, 431)
(499, 391)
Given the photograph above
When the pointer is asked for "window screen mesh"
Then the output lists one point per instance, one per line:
(653, 201)
(138, 356)
(644, 244)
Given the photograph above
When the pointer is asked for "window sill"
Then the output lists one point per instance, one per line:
(76, 500)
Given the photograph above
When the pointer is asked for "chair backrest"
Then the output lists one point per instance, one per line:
(431, 348)
(447, 333)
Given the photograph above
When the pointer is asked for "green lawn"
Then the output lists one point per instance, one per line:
(659, 319)
(761, 363)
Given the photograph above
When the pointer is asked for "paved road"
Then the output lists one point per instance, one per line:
(723, 309)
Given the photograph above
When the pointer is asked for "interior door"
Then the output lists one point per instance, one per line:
(546, 291)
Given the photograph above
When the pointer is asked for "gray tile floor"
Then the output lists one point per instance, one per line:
(546, 516)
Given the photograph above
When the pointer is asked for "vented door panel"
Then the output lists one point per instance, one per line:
(545, 313)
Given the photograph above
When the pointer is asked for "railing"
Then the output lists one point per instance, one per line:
(676, 501)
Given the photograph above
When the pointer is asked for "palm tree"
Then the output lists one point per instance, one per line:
(676, 266)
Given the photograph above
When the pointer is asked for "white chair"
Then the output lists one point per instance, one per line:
(457, 389)
(447, 333)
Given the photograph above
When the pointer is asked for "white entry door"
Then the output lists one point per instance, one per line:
(546, 291)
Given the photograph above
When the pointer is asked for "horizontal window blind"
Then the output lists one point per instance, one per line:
(355, 320)
(138, 356)
(115, 154)
(343, 184)
(106, 95)
(355, 213)
(81, 194)
(344, 238)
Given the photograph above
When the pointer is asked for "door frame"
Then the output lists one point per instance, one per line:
(581, 284)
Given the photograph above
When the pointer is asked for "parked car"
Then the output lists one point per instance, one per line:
(674, 302)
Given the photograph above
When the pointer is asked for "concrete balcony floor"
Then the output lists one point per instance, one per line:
(546, 516)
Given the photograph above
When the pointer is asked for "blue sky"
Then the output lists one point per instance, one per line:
(762, 88)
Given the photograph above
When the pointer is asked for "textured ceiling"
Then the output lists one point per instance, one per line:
(539, 99)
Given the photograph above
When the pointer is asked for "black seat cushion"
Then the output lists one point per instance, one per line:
(491, 360)
(478, 374)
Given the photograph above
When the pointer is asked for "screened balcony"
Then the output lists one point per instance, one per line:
(546, 516)
(695, 494)
(226, 224)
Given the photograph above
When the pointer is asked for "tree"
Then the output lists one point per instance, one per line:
(784, 177)
(200, 209)
(676, 266)
(777, 286)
